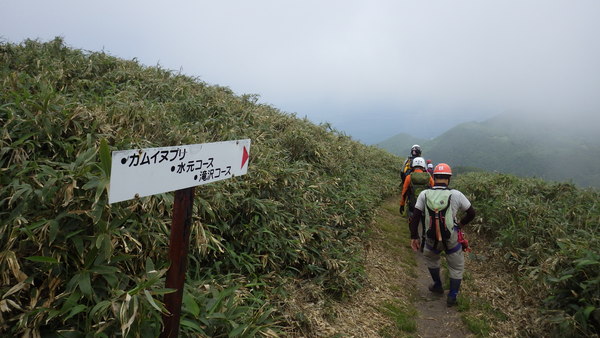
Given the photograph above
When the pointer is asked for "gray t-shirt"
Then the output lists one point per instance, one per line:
(458, 201)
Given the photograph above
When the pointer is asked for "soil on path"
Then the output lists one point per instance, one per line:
(396, 278)
(435, 318)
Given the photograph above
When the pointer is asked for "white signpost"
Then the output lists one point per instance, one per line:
(144, 172)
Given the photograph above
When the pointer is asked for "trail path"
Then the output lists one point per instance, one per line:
(435, 319)
(397, 279)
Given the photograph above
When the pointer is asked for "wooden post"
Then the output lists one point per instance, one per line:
(178, 250)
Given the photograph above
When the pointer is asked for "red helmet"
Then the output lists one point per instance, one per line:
(428, 161)
(442, 169)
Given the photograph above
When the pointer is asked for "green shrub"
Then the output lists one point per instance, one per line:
(549, 234)
(71, 263)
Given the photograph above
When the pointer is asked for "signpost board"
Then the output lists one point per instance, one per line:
(144, 172)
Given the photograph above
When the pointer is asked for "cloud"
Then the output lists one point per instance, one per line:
(339, 61)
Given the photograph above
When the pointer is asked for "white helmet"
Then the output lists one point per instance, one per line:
(415, 150)
(418, 162)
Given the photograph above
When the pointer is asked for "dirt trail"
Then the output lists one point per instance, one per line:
(397, 278)
(435, 318)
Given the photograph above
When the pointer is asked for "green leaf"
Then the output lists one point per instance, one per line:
(92, 183)
(588, 310)
(586, 262)
(74, 233)
(192, 325)
(217, 315)
(52, 314)
(103, 184)
(85, 284)
(111, 279)
(42, 259)
(78, 243)
(562, 278)
(23, 139)
(105, 158)
(102, 306)
(238, 331)
(149, 265)
(190, 304)
(75, 310)
(100, 240)
(121, 258)
(54, 227)
(152, 302)
(104, 270)
(163, 291)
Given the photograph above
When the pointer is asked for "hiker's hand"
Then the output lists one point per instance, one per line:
(401, 210)
(415, 245)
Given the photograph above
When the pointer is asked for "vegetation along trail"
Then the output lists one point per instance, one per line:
(395, 302)
(302, 246)
(496, 298)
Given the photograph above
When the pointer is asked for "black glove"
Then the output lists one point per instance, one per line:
(401, 210)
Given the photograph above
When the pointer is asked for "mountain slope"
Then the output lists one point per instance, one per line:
(516, 145)
(400, 144)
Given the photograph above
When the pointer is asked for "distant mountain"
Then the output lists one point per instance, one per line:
(400, 144)
(517, 145)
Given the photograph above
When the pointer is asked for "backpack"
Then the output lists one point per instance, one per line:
(438, 215)
(406, 168)
(418, 183)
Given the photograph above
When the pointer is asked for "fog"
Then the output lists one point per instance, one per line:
(371, 69)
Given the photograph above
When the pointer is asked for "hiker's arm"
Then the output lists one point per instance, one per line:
(468, 217)
(414, 224)
(405, 188)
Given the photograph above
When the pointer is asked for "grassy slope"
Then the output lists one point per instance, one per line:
(544, 237)
(69, 261)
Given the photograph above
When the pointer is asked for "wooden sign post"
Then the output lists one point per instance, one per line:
(143, 172)
(178, 251)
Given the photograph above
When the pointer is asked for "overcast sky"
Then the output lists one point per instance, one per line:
(371, 68)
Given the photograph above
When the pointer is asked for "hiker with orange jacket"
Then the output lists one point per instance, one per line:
(440, 206)
(415, 182)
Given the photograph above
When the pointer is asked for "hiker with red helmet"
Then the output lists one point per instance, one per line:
(437, 208)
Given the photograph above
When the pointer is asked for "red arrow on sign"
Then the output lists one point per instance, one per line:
(244, 157)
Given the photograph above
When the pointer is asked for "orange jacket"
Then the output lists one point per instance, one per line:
(406, 186)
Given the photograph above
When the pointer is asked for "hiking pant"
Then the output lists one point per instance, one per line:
(456, 259)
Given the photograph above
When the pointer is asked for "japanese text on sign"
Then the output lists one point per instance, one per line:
(144, 172)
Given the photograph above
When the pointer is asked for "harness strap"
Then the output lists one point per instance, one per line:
(448, 252)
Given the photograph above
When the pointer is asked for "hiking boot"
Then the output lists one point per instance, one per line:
(436, 288)
(453, 293)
